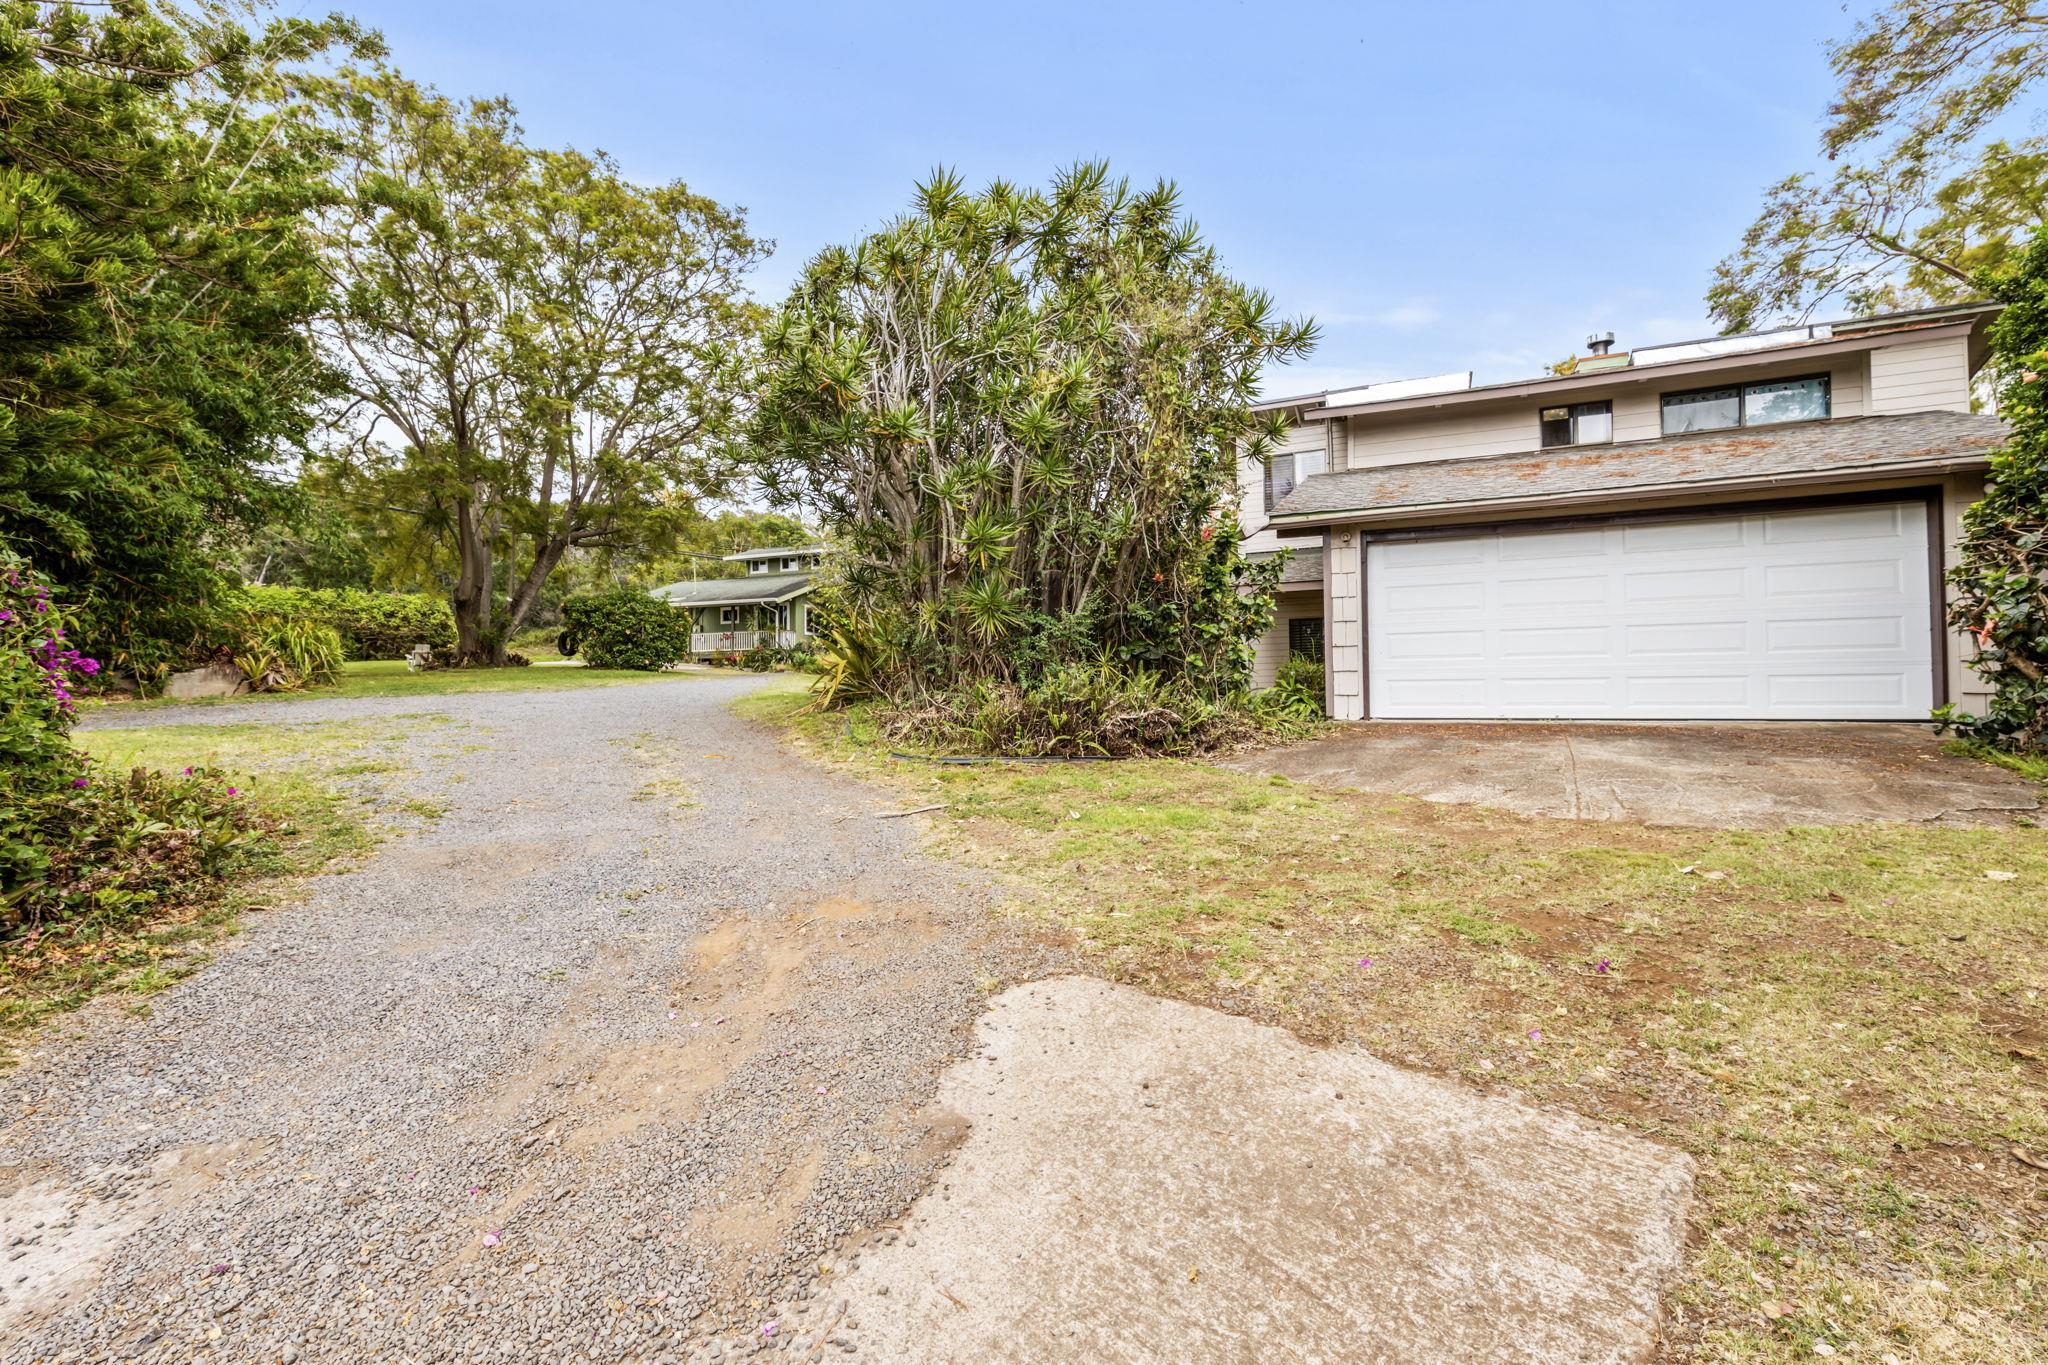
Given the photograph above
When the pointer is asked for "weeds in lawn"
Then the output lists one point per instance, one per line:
(1846, 1027)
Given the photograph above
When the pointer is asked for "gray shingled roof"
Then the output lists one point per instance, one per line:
(1848, 445)
(735, 592)
(1303, 565)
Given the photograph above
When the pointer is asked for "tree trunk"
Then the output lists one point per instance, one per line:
(474, 641)
(546, 555)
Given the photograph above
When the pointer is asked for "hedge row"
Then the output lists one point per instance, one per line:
(373, 625)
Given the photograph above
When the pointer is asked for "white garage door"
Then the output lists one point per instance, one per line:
(1820, 615)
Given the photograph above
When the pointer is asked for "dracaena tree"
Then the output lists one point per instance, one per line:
(1020, 411)
(540, 354)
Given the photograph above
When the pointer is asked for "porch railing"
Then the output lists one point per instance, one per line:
(740, 641)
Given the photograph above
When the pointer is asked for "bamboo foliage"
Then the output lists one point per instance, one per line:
(1023, 409)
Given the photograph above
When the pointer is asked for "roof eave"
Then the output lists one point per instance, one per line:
(1526, 388)
(754, 600)
(1947, 464)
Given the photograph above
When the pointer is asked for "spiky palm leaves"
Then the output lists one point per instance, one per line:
(1026, 405)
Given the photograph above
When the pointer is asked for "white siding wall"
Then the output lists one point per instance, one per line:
(1921, 376)
(1511, 427)
(1305, 442)
(1271, 649)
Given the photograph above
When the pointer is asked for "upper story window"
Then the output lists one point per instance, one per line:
(757, 566)
(1279, 478)
(1580, 424)
(790, 563)
(1747, 405)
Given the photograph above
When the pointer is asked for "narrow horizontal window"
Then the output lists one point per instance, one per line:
(1760, 404)
(1703, 410)
(1785, 400)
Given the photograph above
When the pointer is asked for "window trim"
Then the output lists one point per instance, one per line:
(1294, 626)
(728, 616)
(1571, 417)
(1742, 388)
(1293, 475)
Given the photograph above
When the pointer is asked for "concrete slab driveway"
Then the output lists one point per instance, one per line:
(1714, 775)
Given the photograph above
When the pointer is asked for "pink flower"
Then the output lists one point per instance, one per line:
(81, 782)
(821, 1090)
(1365, 962)
(493, 1237)
(768, 1328)
(1603, 966)
(1536, 1035)
(188, 770)
(234, 791)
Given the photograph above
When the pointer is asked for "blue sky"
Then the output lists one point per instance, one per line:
(1444, 186)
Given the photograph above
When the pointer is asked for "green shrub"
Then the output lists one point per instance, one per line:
(90, 858)
(285, 654)
(2001, 580)
(624, 628)
(373, 625)
(1098, 709)
(1297, 689)
(77, 849)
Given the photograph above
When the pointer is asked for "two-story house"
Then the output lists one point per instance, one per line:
(769, 606)
(1743, 528)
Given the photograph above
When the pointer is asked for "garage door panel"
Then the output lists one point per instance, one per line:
(1704, 692)
(1557, 545)
(1825, 689)
(1433, 553)
(1834, 527)
(1652, 537)
(1799, 615)
(1449, 696)
(1708, 638)
(1534, 591)
(1674, 585)
(1555, 642)
(1449, 597)
(1883, 578)
(1554, 696)
(1837, 635)
(1451, 646)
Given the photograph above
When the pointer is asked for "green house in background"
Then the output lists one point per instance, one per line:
(770, 606)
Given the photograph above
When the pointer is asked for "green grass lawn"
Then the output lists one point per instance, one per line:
(389, 678)
(328, 785)
(1846, 1028)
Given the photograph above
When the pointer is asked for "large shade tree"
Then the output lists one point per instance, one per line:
(1021, 413)
(540, 354)
(1935, 169)
(158, 168)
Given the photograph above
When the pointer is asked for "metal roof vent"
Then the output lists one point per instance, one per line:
(1600, 343)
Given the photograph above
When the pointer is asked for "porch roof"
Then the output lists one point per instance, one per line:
(754, 590)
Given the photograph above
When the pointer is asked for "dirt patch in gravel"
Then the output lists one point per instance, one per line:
(568, 1074)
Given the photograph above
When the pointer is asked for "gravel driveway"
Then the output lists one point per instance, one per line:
(576, 1072)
